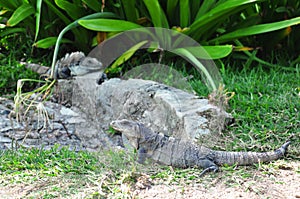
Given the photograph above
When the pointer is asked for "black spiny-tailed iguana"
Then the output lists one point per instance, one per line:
(178, 153)
(74, 64)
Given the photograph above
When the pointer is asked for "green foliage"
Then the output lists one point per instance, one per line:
(14, 48)
(10, 75)
(284, 39)
(210, 23)
(159, 16)
(45, 19)
(208, 20)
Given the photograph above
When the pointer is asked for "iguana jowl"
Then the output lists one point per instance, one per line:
(178, 153)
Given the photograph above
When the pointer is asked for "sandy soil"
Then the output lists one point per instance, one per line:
(281, 181)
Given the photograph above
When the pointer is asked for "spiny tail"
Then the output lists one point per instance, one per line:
(248, 158)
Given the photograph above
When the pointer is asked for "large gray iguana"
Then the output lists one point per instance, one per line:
(179, 153)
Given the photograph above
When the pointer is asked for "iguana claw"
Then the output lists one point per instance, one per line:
(211, 168)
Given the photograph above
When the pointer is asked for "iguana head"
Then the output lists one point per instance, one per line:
(128, 128)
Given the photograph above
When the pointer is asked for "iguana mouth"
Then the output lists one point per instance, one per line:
(115, 125)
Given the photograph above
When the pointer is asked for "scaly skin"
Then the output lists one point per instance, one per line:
(179, 153)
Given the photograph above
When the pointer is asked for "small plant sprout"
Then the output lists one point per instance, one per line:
(42, 114)
(220, 97)
(33, 99)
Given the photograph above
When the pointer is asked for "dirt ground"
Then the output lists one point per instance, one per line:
(281, 181)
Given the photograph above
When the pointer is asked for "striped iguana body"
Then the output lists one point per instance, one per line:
(179, 153)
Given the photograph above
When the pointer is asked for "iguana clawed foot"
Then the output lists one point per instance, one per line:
(211, 168)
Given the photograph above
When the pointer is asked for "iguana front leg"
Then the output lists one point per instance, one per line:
(208, 165)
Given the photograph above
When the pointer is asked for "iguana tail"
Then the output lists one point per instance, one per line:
(248, 158)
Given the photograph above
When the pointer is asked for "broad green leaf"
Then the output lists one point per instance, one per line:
(38, 18)
(205, 7)
(157, 14)
(9, 31)
(258, 29)
(194, 8)
(73, 10)
(93, 4)
(171, 5)
(20, 14)
(217, 15)
(210, 52)
(48, 42)
(125, 56)
(199, 66)
(184, 13)
(71, 26)
(57, 12)
(130, 10)
(108, 25)
(10, 5)
(64, 18)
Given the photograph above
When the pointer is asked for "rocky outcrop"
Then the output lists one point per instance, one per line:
(38, 130)
(165, 109)
(84, 110)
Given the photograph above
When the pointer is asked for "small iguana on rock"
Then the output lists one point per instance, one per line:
(74, 64)
(179, 153)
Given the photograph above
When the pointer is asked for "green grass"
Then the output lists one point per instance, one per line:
(67, 172)
(52, 161)
(265, 106)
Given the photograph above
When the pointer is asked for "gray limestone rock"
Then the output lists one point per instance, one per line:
(90, 107)
(164, 109)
